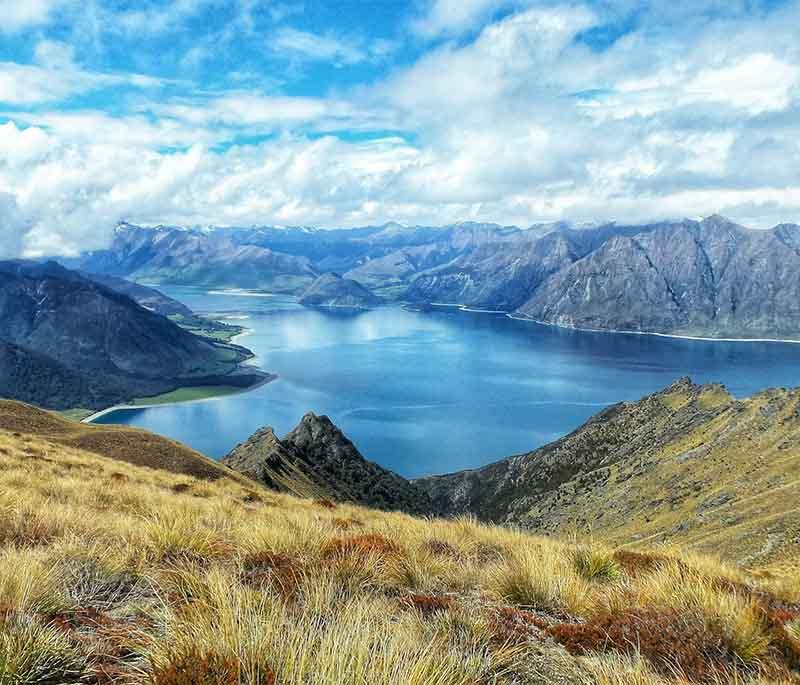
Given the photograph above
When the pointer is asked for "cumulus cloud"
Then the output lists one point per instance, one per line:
(520, 120)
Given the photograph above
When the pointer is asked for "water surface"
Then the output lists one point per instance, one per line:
(435, 392)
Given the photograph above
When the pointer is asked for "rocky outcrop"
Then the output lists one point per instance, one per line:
(331, 290)
(317, 460)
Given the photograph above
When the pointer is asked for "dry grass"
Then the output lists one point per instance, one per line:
(114, 573)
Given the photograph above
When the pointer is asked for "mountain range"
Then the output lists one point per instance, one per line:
(67, 341)
(689, 465)
(707, 278)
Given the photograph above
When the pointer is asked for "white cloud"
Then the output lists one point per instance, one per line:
(453, 17)
(338, 50)
(12, 227)
(16, 15)
(520, 122)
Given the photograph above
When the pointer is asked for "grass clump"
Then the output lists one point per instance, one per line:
(596, 564)
(543, 578)
(32, 653)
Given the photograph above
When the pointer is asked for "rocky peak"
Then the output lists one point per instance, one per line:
(317, 460)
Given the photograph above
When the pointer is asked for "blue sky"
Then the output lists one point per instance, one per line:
(239, 112)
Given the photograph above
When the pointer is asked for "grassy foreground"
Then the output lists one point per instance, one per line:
(115, 573)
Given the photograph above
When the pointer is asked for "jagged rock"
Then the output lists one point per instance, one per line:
(317, 460)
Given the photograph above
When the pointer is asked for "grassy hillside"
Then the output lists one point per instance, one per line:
(115, 573)
(690, 465)
(132, 445)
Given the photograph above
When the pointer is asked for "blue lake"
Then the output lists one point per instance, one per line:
(434, 392)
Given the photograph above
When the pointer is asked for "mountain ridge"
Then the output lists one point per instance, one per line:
(708, 278)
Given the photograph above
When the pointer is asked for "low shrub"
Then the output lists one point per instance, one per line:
(361, 545)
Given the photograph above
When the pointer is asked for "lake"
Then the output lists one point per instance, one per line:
(434, 392)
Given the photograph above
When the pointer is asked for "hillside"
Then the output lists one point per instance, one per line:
(130, 445)
(690, 466)
(708, 278)
(88, 344)
(317, 460)
(331, 290)
(115, 573)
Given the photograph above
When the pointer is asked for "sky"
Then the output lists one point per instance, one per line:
(359, 112)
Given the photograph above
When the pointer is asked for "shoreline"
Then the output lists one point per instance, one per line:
(615, 331)
(118, 407)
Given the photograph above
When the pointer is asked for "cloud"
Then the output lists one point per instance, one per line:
(520, 116)
(12, 227)
(451, 18)
(16, 15)
(337, 50)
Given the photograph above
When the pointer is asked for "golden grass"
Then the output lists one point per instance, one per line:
(111, 572)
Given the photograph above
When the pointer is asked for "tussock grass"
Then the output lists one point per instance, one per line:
(112, 572)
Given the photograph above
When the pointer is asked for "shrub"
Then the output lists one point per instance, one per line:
(510, 626)
(668, 641)
(281, 571)
(427, 605)
(325, 503)
(441, 548)
(638, 563)
(360, 546)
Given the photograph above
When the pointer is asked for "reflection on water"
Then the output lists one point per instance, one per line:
(434, 392)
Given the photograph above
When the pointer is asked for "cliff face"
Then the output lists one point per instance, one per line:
(317, 460)
(690, 465)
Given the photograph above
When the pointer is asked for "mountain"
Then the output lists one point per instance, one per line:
(158, 302)
(317, 460)
(149, 298)
(689, 465)
(80, 340)
(710, 278)
(202, 258)
(113, 572)
(331, 290)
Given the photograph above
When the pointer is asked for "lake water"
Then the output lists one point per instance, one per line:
(434, 392)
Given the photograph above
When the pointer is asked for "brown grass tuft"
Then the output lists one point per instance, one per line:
(511, 626)
(427, 605)
(195, 668)
(325, 503)
(280, 571)
(361, 546)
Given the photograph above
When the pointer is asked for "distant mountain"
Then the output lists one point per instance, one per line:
(149, 298)
(218, 259)
(158, 302)
(331, 290)
(689, 465)
(84, 342)
(317, 460)
(709, 278)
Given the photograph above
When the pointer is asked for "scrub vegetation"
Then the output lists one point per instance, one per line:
(112, 572)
